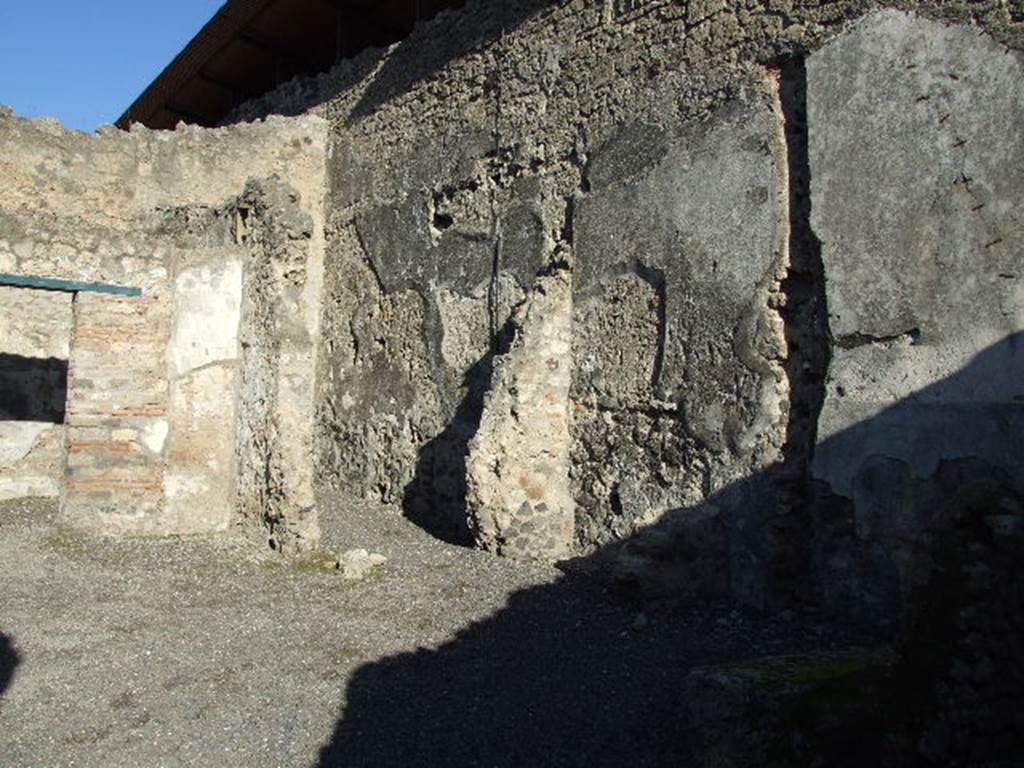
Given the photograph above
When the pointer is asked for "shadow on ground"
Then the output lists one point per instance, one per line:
(8, 661)
(561, 676)
(572, 674)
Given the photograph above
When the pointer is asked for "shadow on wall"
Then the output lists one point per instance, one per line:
(567, 674)
(33, 389)
(8, 661)
(877, 497)
(890, 489)
(435, 498)
(413, 60)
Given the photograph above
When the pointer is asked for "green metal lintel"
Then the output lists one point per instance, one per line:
(71, 286)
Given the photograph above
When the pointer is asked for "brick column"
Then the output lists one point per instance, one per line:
(117, 412)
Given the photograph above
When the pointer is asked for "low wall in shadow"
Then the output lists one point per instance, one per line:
(568, 674)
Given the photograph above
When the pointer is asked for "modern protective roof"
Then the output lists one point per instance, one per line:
(251, 46)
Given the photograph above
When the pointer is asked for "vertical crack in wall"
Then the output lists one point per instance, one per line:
(805, 312)
(435, 498)
(803, 309)
(655, 277)
(493, 298)
(494, 287)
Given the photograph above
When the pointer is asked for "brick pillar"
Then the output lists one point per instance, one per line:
(117, 413)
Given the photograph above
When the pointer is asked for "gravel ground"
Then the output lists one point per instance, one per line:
(210, 651)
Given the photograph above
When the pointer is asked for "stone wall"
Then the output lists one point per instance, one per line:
(925, 394)
(727, 291)
(154, 384)
(279, 335)
(519, 494)
(773, 235)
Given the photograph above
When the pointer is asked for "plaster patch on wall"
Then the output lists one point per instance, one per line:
(179, 485)
(199, 449)
(154, 435)
(208, 302)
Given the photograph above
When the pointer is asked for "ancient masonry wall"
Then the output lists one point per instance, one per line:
(794, 238)
(729, 292)
(150, 438)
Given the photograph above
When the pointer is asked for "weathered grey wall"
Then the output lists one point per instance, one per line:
(736, 210)
(457, 184)
(155, 385)
(917, 167)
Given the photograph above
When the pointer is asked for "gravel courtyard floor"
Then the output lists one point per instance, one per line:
(213, 652)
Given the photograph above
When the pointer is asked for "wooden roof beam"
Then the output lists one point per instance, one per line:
(373, 18)
(235, 89)
(278, 51)
(186, 113)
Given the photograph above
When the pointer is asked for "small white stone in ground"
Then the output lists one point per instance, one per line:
(358, 563)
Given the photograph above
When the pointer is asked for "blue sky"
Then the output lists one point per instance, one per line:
(85, 61)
